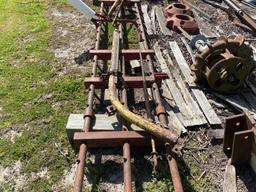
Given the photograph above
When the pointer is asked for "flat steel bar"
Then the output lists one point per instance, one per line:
(128, 81)
(128, 54)
(111, 138)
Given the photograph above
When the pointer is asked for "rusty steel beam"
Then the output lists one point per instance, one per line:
(128, 54)
(128, 81)
(111, 138)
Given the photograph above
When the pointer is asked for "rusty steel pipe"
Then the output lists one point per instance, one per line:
(80, 168)
(161, 116)
(173, 167)
(146, 124)
(79, 175)
(127, 170)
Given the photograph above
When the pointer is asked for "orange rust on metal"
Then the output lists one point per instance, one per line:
(78, 183)
(225, 64)
(80, 168)
(127, 168)
(128, 54)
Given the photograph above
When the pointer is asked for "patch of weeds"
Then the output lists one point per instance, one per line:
(158, 186)
(40, 185)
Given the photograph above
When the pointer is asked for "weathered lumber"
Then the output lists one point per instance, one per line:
(161, 21)
(181, 97)
(173, 118)
(203, 102)
(216, 133)
(147, 21)
(189, 100)
(229, 184)
(153, 19)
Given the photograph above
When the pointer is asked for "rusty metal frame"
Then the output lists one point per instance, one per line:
(125, 138)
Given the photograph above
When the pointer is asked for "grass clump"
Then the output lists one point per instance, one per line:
(34, 100)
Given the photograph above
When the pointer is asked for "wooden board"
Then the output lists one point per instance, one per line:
(162, 21)
(189, 100)
(180, 95)
(203, 102)
(216, 133)
(147, 21)
(153, 19)
(173, 118)
(229, 184)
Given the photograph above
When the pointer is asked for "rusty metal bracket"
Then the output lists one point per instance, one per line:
(238, 138)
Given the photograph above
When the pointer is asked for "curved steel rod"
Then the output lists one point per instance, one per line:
(146, 124)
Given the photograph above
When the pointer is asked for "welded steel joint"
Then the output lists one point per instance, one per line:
(225, 64)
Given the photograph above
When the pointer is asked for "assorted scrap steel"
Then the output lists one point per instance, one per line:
(118, 82)
(224, 65)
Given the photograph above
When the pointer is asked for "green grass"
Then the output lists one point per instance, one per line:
(26, 76)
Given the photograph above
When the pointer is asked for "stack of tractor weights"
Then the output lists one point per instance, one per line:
(180, 15)
(224, 64)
